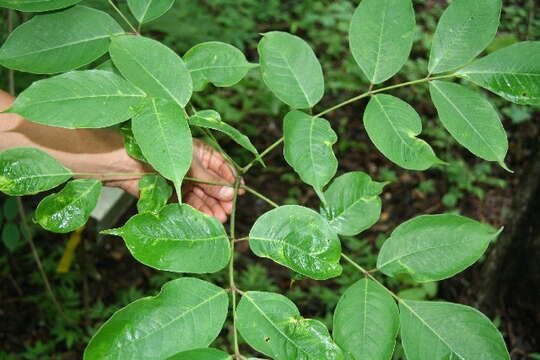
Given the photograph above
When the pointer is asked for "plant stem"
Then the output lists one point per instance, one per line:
(259, 195)
(368, 274)
(28, 235)
(262, 155)
(372, 92)
(123, 17)
(231, 265)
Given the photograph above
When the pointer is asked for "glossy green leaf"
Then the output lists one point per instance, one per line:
(70, 208)
(471, 120)
(272, 325)
(178, 238)
(37, 5)
(308, 148)
(202, 354)
(218, 63)
(366, 321)
(79, 99)
(440, 330)
(299, 238)
(28, 171)
(352, 203)
(381, 37)
(187, 314)
(465, 29)
(512, 73)
(130, 144)
(393, 126)
(148, 10)
(153, 67)
(291, 70)
(434, 247)
(155, 192)
(162, 132)
(211, 119)
(11, 236)
(59, 41)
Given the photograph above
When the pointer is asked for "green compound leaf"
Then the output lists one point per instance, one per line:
(147, 10)
(79, 99)
(187, 314)
(154, 193)
(512, 73)
(37, 5)
(202, 354)
(298, 238)
(28, 171)
(464, 31)
(440, 330)
(381, 37)
(291, 70)
(393, 126)
(70, 208)
(218, 63)
(272, 325)
(366, 321)
(60, 41)
(211, 119)
(308, 148)
(162, 132)
(471, 120)
(352, 203)
(153, 67)
(178, 238)
(434, 247)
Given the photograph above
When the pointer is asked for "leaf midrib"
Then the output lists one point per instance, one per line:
(143, 67)
(398, 133)
(190, 240)
(73, 43)
(415, 252)
(431, 329)
(306, 96)
(381, 32)
(294, 247)
(177, 178)
(33, 103)
(22, 178)
(353, 204)
(252, 301)
(460, 113)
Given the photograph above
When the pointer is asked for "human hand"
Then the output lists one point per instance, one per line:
(208, 165)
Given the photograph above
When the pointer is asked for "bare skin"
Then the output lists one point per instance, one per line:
(101, 151)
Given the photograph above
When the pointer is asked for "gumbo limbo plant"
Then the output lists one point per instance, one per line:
(146, 87)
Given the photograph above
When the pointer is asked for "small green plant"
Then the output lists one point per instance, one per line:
(147, 88)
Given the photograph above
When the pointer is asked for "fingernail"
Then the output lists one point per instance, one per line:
(226, 192)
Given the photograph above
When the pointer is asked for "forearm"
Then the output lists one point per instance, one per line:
(82, 150)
